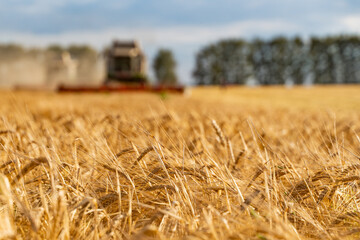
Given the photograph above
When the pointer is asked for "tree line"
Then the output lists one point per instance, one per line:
(280, 60)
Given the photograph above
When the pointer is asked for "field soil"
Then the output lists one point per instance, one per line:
(214, 163)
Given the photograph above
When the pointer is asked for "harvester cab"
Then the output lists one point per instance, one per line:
(125, 63)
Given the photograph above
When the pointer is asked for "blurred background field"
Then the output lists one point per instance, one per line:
(336, 99)
(312, 98)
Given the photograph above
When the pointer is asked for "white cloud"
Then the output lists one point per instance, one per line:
(158, 35)
(46, 6)
(350, 23)
(199, 34)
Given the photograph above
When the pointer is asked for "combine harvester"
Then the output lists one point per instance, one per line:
(125, 68)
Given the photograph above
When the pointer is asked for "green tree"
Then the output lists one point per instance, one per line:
(224, 62)
(164, 66)
(299, 61)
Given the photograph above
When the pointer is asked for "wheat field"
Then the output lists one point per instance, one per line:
(235, 163)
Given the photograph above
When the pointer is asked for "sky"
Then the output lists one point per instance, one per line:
(183, 26)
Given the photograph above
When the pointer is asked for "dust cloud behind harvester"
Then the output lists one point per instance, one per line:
(51, 67)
